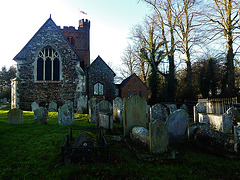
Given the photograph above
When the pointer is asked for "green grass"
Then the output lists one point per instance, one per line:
(32, 151)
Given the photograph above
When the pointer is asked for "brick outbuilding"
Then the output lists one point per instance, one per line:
(133, 85)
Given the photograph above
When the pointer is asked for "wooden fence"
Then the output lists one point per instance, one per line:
(218, 105)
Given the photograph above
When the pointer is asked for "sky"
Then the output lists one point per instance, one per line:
(111, 23)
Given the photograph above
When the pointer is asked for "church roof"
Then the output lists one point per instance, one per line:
(23, 53)
(100, 59)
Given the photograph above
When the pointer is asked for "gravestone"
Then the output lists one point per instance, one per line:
(69, 103)
(237, 139)
(105, 120)
(104, 106)
(117, 109)
(52, 107)
(171, 107)
(34, 106)
(158, 111)
(41, 115)
(65, 116)
(199, 108)
(4, 100)
(226, 124)
(93, 109)
(184, 107)
(134, 113)
(148, 107)
(15, 116)
(104, 112)
(158, 131)
(177, 125)
(140, 135)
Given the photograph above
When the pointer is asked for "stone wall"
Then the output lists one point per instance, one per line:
(100, 72)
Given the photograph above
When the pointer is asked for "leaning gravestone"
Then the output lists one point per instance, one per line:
(140, 135)
(117, 109)
(41, 115)
(92, 109)
(134, 113)
(15, 116)
(158, 111)
(177, 125)
(4, 100)
(65, 116)
(35, 106)
(158, 131)
(52, 107)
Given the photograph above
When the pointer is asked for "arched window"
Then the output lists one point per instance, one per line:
(48, 65)
(98, 89)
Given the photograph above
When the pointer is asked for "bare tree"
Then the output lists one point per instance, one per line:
(224, 22)
(129, 62)
(166, 22)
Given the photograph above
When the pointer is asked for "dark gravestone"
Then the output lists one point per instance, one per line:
(177, 125)
(83, 145)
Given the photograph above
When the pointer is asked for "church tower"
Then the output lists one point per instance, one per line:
(80, 40)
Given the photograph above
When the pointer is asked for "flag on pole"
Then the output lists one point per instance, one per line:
(83, 12)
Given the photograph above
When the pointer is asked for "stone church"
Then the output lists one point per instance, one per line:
(54, 66)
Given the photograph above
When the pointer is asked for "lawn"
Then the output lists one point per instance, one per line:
(32, 151)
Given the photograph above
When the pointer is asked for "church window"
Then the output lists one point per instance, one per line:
(98, 89)
(48, 65)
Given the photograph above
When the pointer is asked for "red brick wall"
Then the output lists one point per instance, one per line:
(80, 42)
(134, 85)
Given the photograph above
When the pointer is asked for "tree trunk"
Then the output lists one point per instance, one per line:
(189, 89)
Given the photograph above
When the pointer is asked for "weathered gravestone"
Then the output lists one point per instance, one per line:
(41, 115)
(199, 108)
(117, 109)
(4, 100)
(140, 135)
(237, 139)
(93, 109)
(104, 106)
(69, 103)
(52, 107)
(104, 111)
(231, 117)
(65, 116)
(148, 107)
(105, 120)
(134, 113)
(158, 111)
(34, 106)
(184, 107)
(177, 125)
(158, 131)
(15, 116)
(171, 107)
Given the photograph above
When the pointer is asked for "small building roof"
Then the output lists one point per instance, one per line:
(125, 81)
